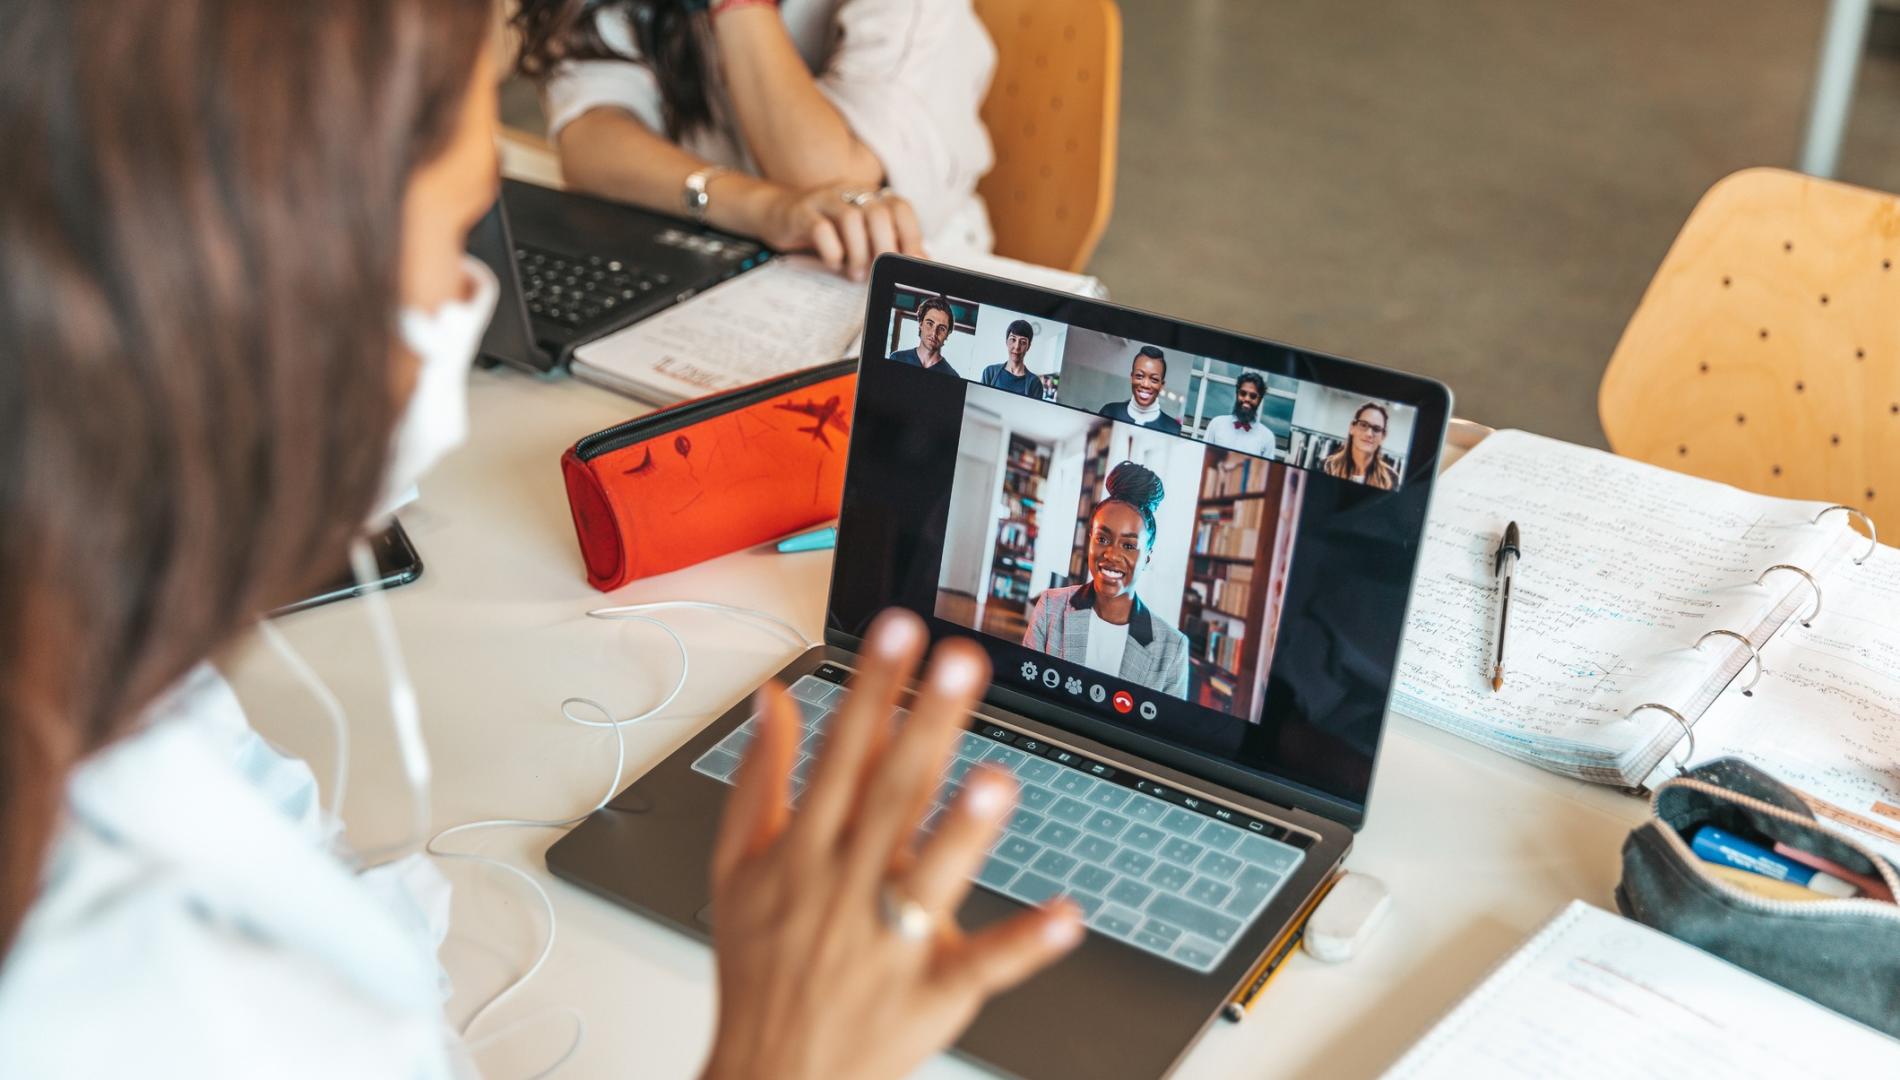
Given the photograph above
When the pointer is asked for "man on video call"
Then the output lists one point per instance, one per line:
(1243, 431)
(1146, 377)
(934, 323)
(1013, 375)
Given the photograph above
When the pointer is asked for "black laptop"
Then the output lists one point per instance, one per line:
(574, 268)
(1193, 777)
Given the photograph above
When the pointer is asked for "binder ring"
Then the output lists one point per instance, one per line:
(1688, 732)
(1873, 538)
(1808, 619)
(1753, 653)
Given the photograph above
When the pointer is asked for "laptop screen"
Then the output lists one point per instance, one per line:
(1179, 541)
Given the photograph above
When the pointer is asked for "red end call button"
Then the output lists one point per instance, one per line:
(1124, 701)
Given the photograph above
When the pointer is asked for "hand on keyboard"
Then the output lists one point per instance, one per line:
(834, 925)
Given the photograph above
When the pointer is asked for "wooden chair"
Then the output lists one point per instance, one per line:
(1766, 351)
(1052, 115)
(531, 157)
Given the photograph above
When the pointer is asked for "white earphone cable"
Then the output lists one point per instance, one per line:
(404, 713)
(332, 710)
(627, 613)
(406, 718)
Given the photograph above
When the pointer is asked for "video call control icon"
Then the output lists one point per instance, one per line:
(1073, 686)
(1030, 671)
(1124, 702)
(1051, 678)
(1147, 710)
(1098, 693)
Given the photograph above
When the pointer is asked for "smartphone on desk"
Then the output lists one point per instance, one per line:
(396, 564)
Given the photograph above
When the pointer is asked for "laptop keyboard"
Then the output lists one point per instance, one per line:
(1151, 866)
(574, 291)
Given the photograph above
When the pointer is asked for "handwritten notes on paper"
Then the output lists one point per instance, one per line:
(1624, 567)
(1825, 717)
(1595, 995)
(789, 314)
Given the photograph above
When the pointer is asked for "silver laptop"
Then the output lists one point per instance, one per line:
(1195, 791)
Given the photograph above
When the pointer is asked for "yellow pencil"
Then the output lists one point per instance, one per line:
(1765, 887)
(1276, 954)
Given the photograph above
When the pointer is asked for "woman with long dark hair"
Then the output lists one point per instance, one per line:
(235, 316)
(1359, 458)
(1102, 624)
(845, 128)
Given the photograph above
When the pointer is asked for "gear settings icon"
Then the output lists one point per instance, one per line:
(1030, 671)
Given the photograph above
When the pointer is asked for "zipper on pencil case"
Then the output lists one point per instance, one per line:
(678, 416)
(1858, 905)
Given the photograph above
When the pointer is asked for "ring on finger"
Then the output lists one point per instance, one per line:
(906, 918)
(857, 198)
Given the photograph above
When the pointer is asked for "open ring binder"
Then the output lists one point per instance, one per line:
(1688, 731)
(1873, 537)
(1753, 653)
(1808, 619)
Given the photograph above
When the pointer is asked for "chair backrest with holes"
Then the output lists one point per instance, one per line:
(1766, 351)
(1052, 114)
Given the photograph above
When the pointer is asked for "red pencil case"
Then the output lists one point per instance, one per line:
(710, 476)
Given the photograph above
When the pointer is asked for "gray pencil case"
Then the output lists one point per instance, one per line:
(1841, 953)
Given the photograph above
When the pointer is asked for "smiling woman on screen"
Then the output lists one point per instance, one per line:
(1102, 624)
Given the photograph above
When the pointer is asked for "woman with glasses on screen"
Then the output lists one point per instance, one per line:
(1359, 458)
(1101, 624)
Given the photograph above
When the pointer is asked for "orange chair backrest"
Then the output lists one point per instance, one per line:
(1766, 351)
(1052, 114)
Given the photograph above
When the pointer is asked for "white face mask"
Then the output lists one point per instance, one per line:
(435, 421)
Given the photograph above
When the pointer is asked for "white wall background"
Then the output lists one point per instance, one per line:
(974, 493)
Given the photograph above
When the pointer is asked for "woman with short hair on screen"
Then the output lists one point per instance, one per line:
(1102, 624)
(1359, 458)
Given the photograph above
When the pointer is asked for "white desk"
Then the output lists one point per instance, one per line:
(1477, 849)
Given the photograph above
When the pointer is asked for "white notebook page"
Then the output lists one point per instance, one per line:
(1624, 566)
(787, 315)
(1593, 995)
(1825, 716)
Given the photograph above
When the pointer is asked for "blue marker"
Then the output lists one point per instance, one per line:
(817, 540)
(1726, 849)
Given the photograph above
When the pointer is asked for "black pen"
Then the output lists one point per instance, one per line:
(1506, 565)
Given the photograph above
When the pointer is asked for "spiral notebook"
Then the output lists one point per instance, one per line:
(1659, 621)
(1594, 995)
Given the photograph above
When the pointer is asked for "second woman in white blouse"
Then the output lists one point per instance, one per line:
(847, 128)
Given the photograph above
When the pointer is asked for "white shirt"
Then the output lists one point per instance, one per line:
(1145, 417)
(908, 76)
(1107, 642)
(193, 922)
(1256, 440)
